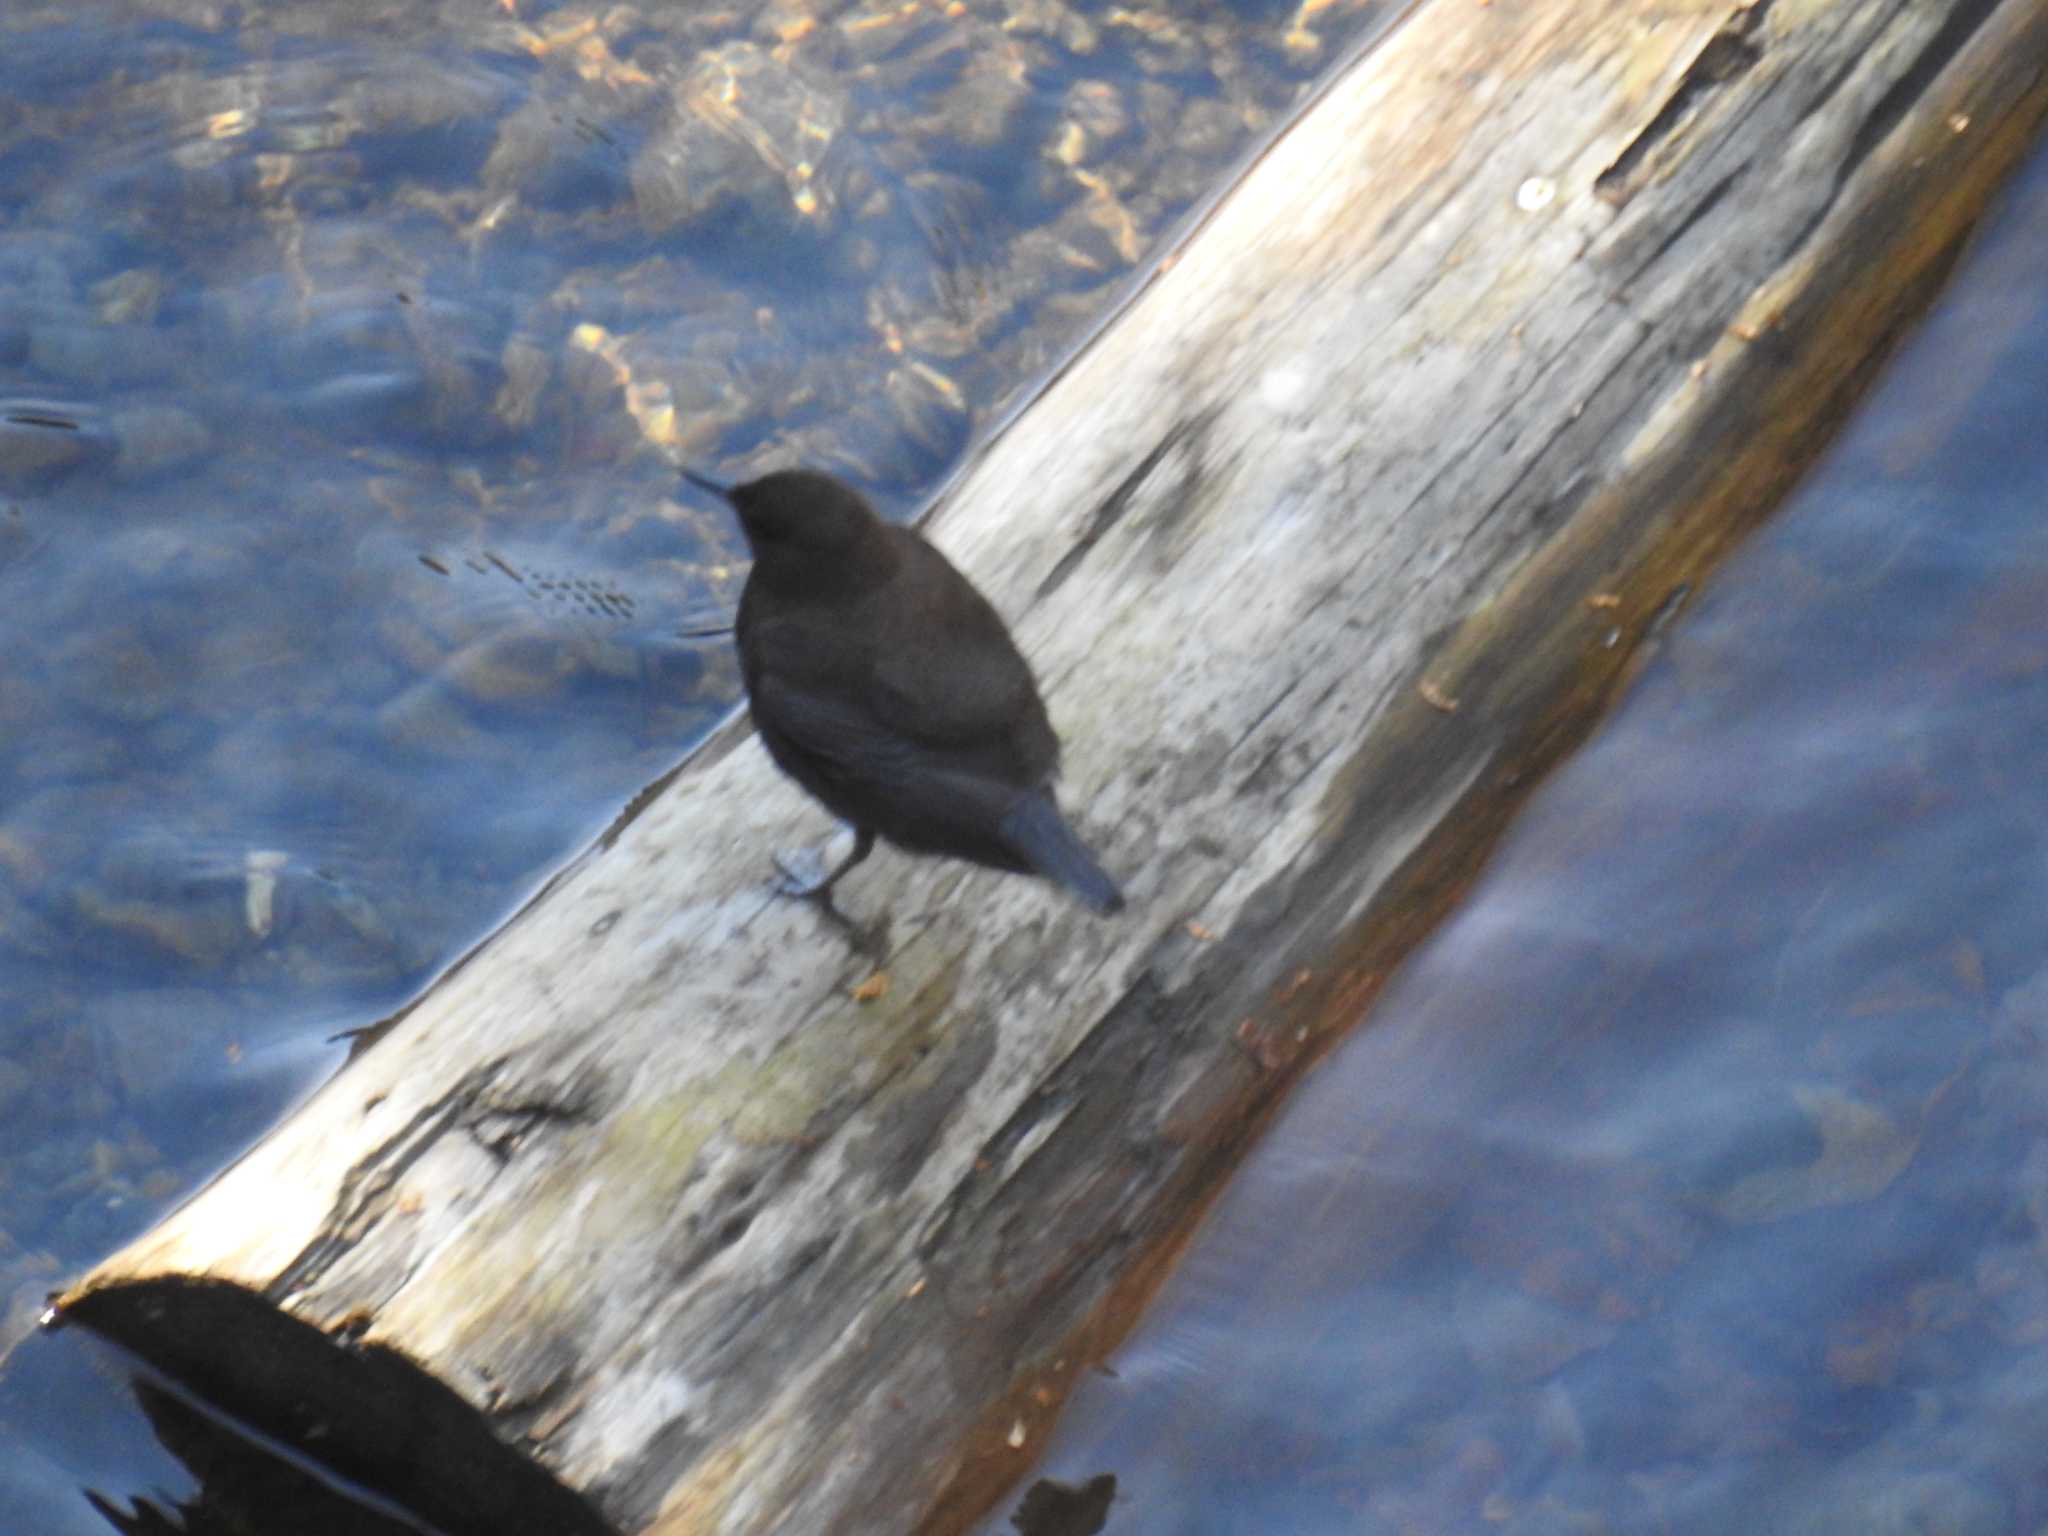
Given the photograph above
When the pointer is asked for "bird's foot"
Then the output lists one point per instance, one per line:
(801, 874)
(805, 876)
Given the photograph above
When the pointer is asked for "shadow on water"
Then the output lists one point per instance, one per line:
(1693, 1177)
(345, 585)
(157, 1456)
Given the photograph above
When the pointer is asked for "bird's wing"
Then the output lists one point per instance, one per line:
(974, 694)
(839, 735)
(941, 801)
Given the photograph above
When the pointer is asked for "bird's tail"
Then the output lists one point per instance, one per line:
(1042, 838)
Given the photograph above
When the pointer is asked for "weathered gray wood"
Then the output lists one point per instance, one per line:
(1345, 530)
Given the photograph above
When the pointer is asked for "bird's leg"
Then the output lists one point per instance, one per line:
(814, 887)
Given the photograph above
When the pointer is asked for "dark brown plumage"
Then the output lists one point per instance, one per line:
(884, 683)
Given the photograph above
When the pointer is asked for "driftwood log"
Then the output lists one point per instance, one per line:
(1344, 531)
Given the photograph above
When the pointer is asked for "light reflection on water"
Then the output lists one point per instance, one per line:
(1694, 1177)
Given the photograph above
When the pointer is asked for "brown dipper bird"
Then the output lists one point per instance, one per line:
(884, 683)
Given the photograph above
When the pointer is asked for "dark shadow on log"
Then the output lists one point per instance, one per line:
(362, 1414)
(243, 1484)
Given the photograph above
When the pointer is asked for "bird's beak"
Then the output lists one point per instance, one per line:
(717, 487)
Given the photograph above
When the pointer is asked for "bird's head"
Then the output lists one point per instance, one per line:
(798, 514)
